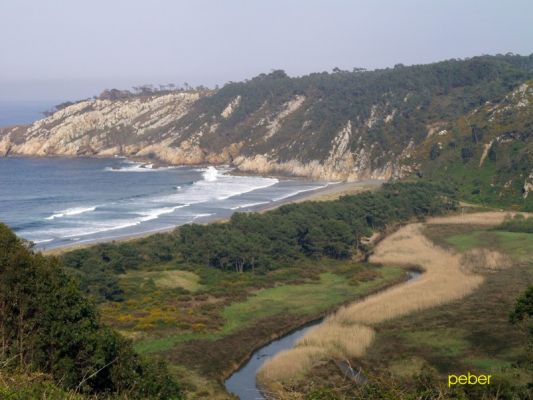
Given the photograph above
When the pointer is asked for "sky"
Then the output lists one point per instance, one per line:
(73, 49)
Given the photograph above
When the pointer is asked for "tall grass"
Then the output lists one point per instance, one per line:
(477, 260)
(443, 279)
(337, 340)
(290, 364)
(481, 218)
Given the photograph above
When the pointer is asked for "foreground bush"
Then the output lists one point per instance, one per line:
(48, 325)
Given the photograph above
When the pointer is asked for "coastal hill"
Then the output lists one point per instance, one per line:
(455, 116)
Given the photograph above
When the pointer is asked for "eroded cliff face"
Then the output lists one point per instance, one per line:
(156, 127)
(100, 127)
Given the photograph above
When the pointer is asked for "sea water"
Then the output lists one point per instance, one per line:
(63, 201)
(23, 112)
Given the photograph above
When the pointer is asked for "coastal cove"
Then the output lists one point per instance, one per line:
(63, 202)
(266, 201)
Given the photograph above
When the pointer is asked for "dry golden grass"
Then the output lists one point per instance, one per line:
(337, 340)
(443, 279)
(480, 218)
(290, 364)
(447, 276)
(327, 340)
(477, 260)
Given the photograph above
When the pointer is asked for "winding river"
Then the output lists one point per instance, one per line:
(243, 382)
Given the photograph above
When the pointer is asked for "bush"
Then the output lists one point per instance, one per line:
(517, 224)
(47, 325)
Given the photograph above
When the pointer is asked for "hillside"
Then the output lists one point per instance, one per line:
(340, 125)
(488, 153)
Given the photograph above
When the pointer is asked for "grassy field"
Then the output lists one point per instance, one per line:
(205, 322)
(518, 245)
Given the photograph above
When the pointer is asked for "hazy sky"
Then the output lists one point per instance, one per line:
(59, 49)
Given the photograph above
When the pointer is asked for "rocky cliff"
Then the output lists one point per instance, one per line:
(335, 126)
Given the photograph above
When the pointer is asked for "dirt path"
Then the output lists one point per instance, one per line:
(349, 332)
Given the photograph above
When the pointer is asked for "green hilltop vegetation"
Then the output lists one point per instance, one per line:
(417, 95)
(487, 154)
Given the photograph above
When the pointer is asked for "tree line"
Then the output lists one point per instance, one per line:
(258, 242)
(255, 241)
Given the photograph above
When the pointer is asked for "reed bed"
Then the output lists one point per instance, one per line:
(444, 279)
(477, 260)
(338, 341)
(290, 365)
(480, 218)
(348, 333)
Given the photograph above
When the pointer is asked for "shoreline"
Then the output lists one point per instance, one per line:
(327, 193)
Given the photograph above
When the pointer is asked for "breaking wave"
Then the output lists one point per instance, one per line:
(71, 211)
(216, 185)
(249, 205)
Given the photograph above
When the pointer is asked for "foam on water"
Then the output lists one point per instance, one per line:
(249, 205)
(210, 174)
(71, 211)
(216, 185)
(132, 166)
(157, 212)
(43, 241)
(201, 216)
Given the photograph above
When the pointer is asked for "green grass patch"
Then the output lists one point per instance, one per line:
(450, 342)
(466, 241)
(302, 299)
(162, 280)
(518, 245)
(488, 365)
(305, 299)
(407, 367)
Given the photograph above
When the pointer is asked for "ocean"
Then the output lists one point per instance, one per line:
(64, 201)
(23, 112)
